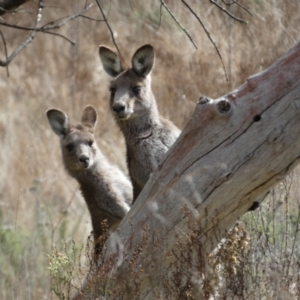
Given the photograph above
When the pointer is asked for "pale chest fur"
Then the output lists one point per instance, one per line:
(145, 154)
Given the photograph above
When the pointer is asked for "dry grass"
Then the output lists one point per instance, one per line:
(40, 206)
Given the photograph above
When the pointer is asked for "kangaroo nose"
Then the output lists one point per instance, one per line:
(119, 107)
(84, 160)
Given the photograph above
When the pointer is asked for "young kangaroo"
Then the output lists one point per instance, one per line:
(148, 136)
(106, 190)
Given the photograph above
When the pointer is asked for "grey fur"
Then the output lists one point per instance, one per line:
(148, 136)
(106, 190)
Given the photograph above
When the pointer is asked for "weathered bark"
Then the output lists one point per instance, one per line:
(221, 163)
(10, 5)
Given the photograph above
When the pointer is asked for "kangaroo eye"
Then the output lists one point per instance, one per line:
(70, 147)
(112, 91)
(136, 90)
(90, 143)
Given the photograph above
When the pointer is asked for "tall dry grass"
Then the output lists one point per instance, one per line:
(40, 205)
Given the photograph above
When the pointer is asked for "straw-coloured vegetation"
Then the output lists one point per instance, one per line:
(44, 221)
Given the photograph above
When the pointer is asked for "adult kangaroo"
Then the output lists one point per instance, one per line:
(148, 136)
(106, 190)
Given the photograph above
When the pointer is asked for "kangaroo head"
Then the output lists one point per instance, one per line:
(77, 142)
(131, 94)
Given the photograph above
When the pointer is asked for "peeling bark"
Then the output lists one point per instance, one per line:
(231, 152)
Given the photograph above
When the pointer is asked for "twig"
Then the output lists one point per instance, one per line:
(10, 5)
(108, 26)
(228, 13)
(59, 35)
(90, 18)
(209, 36)
(240, 5)
(28, 39)
(42, 29)
(17, 208)
(5, 50)
(293, 244)
(53, 228)
(244, 8)
(174, 18)
(45, 29)
(51, 25)
(160, 14)
(65, 20)
(130, 4)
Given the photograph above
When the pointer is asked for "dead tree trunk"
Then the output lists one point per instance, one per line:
(231, 152)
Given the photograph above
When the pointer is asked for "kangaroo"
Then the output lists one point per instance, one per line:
(106, 190)
(148, 136)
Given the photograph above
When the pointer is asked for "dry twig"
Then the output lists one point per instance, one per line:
(28, 39)
(240, 5)
(179, 24)
(44, 29)
(108, 26)
(208, 35)
(10, 5)
(227, 12)
(5, 50)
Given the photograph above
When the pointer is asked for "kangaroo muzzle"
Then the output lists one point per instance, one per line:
(84, 161)
(119, 109)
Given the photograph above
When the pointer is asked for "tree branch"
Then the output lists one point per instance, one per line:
(10, 5)
(65, 20)
(44, 29)
(109, 28)
(209, 36)
(240, 5)
(227, 12)
(28, 39)
(178, 23)
(5, 51)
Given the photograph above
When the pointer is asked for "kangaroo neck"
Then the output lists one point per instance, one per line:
(91, 179)
(90, 182)
(140, 127)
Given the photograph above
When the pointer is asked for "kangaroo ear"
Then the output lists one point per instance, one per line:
(143, 60)
(89, 116)
(59, 121)
(111, 61)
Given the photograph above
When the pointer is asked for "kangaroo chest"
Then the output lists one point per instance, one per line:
(143, 157)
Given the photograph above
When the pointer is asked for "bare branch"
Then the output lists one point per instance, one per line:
(51, 25)
(28, 39)
(59, 35)
(10, 5)
(179, 24)
(45, 29)
(5, 50)
(41, 29)
(209, 36)
(240, 5)
(65, 20)
(228, 13)
(108, 26)
(92, 19)
(160, 14)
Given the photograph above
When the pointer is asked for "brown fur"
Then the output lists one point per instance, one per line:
(106, 190)
(148, 136)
